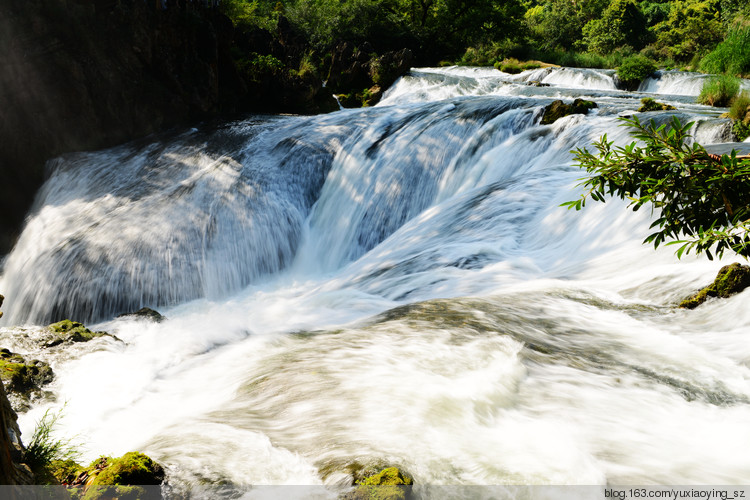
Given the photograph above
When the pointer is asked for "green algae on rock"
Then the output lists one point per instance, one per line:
(71, 331)
(134, 475)
(557, 109)
(649, 104)
(388, 484)
(730, 280)
(23, 377)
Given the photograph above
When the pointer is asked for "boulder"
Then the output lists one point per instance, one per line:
(389, 484)
(730, 280)
(23, 379)
(70, 331)
(648, 104)
(134, 475)
(145, 313)
(557, 109)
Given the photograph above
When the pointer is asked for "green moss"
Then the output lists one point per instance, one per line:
(133, 468)
(514, 66)
(64, 471)
(21, 376)
(729, 281)
(558, 109)
(388, 477)
(648, 104)
(127, 477)
(71, 331)
(388, 484)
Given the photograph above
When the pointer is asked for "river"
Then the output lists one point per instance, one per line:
(394, 285)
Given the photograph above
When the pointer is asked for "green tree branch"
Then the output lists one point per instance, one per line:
(702, 201)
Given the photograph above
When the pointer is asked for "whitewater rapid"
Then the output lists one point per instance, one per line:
(394, 285)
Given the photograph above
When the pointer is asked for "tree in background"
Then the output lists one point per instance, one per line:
(691, 29)
(622, 23)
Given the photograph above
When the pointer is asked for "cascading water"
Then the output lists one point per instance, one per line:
(388, 285)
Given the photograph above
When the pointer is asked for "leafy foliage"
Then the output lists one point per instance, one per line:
(621, 22)
(730, 56)
(691, 28)
(719, 90)
(701, 203)
(634, 69)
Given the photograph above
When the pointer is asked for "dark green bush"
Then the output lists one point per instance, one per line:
(719, 90)
(633, 70)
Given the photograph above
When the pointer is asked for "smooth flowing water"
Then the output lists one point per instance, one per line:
(394, 285)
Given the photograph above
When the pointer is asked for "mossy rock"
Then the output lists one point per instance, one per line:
(648, 104)
(558, 109)
(23, 377)
(730, 280)
(145, 313)
(133, 468)
(388, 484)
(64, 471)
(134, 475)
(70, 331)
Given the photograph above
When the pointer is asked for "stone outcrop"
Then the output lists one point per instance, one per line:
(145, 313)
(69, 331)
(24, 378)
(730, 280)
(649, 104)
(359, 76)
(557, 109)
(12, 471)
(389, 484)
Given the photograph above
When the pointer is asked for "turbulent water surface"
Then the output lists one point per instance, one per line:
(394, 285)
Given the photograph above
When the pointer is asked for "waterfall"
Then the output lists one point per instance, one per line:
(398, 285)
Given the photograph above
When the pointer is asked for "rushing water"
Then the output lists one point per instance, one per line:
(394, 285)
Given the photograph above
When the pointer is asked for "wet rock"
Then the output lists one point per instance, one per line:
(386, 69)
(134, 475)
(729, 281)
(69, 331)
(558, 109)
(23, 377)
(359, 76)
(145, 313)
(12, 470)
(1, 303)
(389, 484)
(648, 104)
